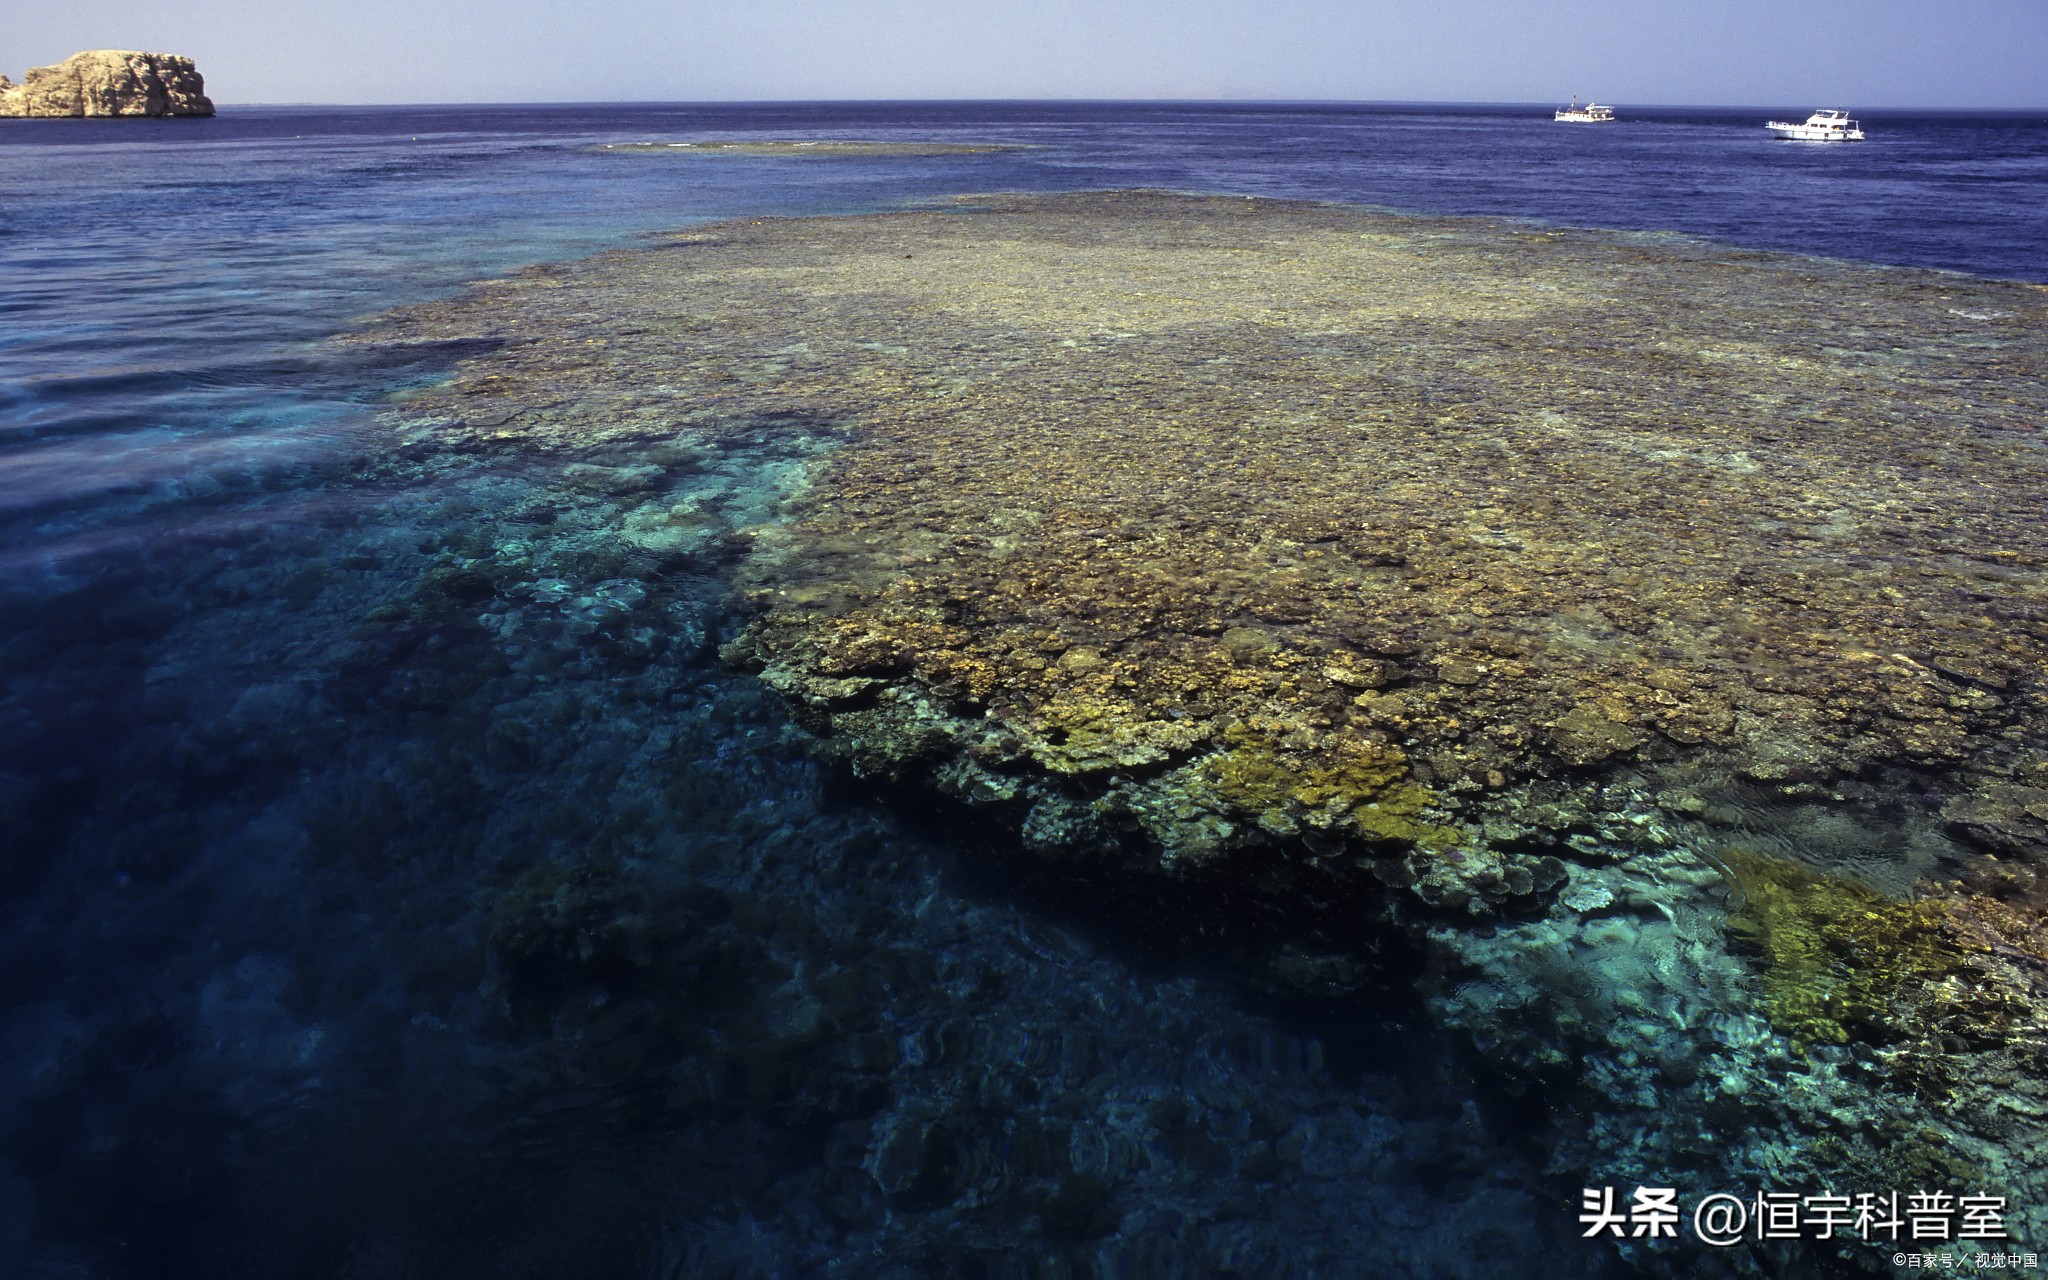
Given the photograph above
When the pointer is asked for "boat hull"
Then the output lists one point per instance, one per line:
(1591, 113)
(1800, 133)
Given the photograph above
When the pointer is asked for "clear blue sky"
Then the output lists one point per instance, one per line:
(1870, 53)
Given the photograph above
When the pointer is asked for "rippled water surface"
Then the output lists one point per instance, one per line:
(360, 919)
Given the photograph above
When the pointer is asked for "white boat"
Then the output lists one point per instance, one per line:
(1825, 125)
(1591, 113)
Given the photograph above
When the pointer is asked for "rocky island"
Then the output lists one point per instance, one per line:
(1632, 645)
(109, 82)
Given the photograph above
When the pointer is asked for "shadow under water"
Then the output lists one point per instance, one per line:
(405, 888)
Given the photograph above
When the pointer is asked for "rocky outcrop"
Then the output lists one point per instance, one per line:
(109, 82)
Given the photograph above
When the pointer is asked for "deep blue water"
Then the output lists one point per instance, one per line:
(273, 825)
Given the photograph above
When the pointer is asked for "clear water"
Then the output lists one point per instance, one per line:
(280, 813)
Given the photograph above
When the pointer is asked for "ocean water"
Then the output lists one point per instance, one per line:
(355, 925)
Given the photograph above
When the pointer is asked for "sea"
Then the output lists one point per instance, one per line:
(273, 848)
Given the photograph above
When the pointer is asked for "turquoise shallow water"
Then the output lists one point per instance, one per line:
(356, 925)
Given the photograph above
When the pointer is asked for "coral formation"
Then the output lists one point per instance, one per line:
(1124, 471)
(1934, 979)
(1837, 956)
(558, 926)
(1480, 577)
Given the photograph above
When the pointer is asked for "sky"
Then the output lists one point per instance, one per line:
(1873, 53)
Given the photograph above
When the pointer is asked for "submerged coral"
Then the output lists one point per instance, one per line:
(1131, 478)
(1934, 979)
(1838, 957)
(1470, 577)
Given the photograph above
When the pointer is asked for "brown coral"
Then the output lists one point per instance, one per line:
(1126, 473)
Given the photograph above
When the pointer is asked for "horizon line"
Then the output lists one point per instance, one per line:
(1532, 104)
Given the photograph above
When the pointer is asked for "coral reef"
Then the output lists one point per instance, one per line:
(1130, 473)
(1933, 980)
(1837, 956)
(445, 908)
(1497, 582)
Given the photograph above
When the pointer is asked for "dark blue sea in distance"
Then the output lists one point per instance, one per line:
(273, 834)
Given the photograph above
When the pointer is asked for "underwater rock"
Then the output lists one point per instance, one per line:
(592, 478)
(563, 924)
(1587, 736)
(109, 82)
(2012, 819)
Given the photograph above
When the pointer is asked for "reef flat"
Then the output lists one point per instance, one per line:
(1626, 624)
(825, 147)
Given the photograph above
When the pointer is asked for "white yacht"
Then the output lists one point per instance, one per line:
(1824, 125)
(1591, 113)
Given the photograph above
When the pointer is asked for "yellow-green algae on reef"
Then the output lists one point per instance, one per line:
(1842, 959)
(1212, 520)
(1952, 983)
